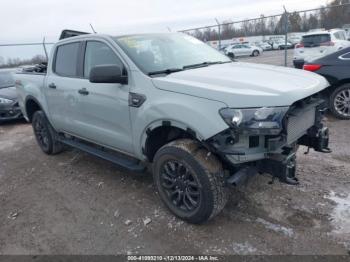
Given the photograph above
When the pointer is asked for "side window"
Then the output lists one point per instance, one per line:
(67, 59)
(339, 35)
(98, 53)
(345, 56)
(343, 36)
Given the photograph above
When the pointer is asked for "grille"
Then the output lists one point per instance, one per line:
(299, 123)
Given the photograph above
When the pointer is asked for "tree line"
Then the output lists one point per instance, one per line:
(326, 17)
(16, 62)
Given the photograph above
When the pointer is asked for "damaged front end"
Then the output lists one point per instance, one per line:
(266, 140)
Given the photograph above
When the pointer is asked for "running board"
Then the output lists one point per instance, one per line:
(132, 165)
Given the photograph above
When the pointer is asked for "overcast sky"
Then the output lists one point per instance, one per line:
(28, 21)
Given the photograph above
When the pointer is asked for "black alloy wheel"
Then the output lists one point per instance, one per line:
(180, 186)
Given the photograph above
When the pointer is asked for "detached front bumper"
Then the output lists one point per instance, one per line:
(275, 155)
(10, 112)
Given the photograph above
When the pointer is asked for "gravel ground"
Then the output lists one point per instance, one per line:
(74, 203)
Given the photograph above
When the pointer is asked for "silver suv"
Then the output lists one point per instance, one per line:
(201, 121)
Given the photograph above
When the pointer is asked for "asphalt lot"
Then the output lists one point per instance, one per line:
(74, 203)
(275, 57)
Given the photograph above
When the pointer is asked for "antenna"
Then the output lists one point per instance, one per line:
(92, 28)
(47, 57)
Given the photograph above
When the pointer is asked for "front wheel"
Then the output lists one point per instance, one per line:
(340, 102)
(189, 181)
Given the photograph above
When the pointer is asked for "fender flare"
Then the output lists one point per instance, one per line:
(30, 97)
(168, 122)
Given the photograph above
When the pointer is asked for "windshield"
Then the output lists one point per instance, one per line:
(168, 52)
(6, 79)
(316, 40)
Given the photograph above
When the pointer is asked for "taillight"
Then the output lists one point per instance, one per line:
(300, 45)
(312, 67)
(329, 43)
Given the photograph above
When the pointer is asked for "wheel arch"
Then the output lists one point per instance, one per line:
(164, 131)
(343, 82)
(31, 106)
(326, 93)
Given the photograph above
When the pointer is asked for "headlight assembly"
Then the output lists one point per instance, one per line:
(264, 120)
(5, 101)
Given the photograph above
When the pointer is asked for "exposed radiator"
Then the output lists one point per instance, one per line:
(299, 123)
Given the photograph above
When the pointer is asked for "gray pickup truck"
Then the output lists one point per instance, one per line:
(170, 102)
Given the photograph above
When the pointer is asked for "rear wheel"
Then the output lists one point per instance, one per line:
(340, 102)
(256, 53)
(190, 181)
(45, 135)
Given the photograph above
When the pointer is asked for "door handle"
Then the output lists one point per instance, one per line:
(52, 85)
(83, 91)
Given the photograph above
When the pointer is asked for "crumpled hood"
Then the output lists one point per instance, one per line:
(8, 93)
(244, 84)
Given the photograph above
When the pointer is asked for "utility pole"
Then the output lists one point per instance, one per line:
(219, 32)
(286, 36)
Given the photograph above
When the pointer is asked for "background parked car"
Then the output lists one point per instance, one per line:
(283, 45)
(9, 108)
(336, 68)
(317, 44)
(295, 39)
(243, 50)
(264, 45)
(280, 44)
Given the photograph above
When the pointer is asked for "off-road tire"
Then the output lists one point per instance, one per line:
(205, 168)
(334, 94)
(52, 145)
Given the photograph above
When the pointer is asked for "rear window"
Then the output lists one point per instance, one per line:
(6, 79)
(315, 40)
(67, 60)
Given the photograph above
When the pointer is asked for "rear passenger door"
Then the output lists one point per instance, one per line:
(237, 50)
(104, 108)
(62, 85)
(246, 50)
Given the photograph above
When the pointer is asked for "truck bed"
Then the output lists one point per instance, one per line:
(30, 84)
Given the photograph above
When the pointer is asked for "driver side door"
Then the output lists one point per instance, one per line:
(104, 107)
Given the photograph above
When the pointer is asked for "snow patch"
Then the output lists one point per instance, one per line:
(243, 248)
(341, 213)
(275, 227)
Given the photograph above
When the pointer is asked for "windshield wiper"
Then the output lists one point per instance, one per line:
(174, 70)
(205, 64)
(165, 71)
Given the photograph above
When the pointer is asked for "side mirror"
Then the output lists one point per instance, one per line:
(112, 74)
